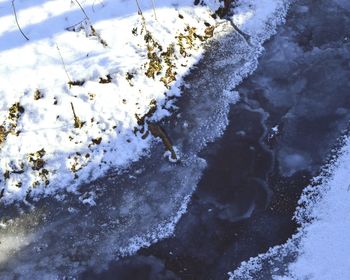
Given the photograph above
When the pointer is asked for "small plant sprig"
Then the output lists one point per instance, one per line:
(77, 122)
(9, 126)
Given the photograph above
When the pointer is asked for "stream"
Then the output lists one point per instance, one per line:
(246, 153)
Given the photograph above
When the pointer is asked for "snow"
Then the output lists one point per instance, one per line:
(106, 51)
(325, 245)
(252, 18)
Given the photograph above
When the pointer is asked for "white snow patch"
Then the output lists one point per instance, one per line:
(251, 16)
(325, 244)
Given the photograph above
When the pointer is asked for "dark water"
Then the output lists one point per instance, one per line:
(245, 200)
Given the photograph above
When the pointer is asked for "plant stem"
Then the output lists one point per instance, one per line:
(64, 65)
(20, 29)
(154, 9)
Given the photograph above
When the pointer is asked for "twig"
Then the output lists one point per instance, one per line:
(86, 16)
(74, 25)
(93, 5)
(20, 29)
(154, 10)
(64, 65)
(94, 33)
(245, 36)
(75, 116)
(138, 7)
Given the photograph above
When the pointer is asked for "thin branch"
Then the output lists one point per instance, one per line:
(74, 115)
(74, 25)
(86, 16)
(154, 9)
(94, 33)
(93, 6)
(64, 65)
(138, 7)
(20, 29)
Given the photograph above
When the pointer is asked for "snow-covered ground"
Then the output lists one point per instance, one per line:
(83, 80)
(74, 96)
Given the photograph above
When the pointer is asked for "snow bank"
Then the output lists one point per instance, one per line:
(325, 245)
(77, 97)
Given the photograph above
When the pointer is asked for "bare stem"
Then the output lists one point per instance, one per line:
(74, 25)
(81, 7)
(154, 9)
(77, 122)
(64, 65)
(138, 7)
(20, 29)
(75, 116)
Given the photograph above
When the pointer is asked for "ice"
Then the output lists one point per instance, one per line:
(288, 81)
(294, 162)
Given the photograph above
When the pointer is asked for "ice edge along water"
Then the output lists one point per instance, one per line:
(319, 249)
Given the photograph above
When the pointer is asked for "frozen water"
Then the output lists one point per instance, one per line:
(305, 79)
